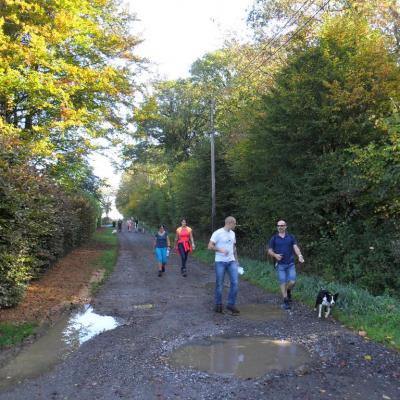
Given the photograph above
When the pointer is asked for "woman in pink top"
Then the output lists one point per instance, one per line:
(184, 244)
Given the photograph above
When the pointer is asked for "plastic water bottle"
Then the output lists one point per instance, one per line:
(240, 270)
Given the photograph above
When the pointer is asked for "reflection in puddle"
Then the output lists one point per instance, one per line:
(244, 357)
(261, 312)
(58, 342)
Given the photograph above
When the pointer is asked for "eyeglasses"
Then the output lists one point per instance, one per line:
(281, 226)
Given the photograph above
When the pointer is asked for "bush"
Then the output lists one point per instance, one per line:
(39, 223)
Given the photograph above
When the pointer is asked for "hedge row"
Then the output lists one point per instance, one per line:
(39, 223)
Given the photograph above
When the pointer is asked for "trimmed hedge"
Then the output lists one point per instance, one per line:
(39, 222)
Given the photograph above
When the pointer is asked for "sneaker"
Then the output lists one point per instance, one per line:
(289, 295)
(163, 268)
(218, 308)
(285, 304)
(184, 274)
(233, 309)
(159, 273)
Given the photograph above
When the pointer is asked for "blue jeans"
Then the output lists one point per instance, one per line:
(232, 268)
(286, 273)
(184, 256)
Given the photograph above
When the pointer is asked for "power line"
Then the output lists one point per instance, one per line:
(264, 47)
(290, 37)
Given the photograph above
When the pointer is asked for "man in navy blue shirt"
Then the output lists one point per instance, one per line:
(282, 247)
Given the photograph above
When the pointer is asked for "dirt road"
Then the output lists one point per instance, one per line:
(132, 361)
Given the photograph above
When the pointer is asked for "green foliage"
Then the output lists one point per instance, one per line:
(315, 141)
(34, 233)
(12, 334)
(357, 308)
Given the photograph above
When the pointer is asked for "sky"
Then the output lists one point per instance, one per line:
(176, 33)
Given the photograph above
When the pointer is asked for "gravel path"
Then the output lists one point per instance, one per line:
(130, 362)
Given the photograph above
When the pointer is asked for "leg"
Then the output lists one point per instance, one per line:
(281, 271)
(163, 258)
(184, 256)
(234, 282)
(159, 259)
(219, 281)
(319, 310)
(291, 277)
(328, 310)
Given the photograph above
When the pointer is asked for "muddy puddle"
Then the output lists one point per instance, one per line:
(56, 344)
(243, 357)
(261, 312)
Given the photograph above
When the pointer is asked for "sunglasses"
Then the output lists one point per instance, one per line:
(281, 226)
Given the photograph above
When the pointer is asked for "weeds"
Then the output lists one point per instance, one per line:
(379, 316)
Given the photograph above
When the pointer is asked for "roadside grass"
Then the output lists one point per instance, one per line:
(357, 309)
(11, 334)
(108, 258)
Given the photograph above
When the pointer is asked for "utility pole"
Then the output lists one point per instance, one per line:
(212, 110)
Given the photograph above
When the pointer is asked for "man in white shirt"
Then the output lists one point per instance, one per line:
(223, 242)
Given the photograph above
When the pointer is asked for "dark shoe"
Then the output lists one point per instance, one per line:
(183, 272)
(233, 309)
(289, 295)
(286, 305)
(159, 273)
(163, 268)
(218, 308)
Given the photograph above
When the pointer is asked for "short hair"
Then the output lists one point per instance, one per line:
(229, 220)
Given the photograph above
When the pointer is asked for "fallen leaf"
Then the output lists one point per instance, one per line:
(368, 357)
(362, 333)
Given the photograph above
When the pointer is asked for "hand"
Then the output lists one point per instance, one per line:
(278, 257)
(224, 251)
(193, 246)
(301, 258)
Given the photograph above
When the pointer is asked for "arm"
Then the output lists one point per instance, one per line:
(298, 253)
(176, 239)
(168, 242)
(271, 252)
(235, 254)
(211, 246)
(192, 240)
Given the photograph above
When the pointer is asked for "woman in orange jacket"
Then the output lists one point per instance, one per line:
(184, 244)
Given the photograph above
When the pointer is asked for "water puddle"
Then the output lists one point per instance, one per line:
(261, 312)
(58, 342)
(243, 357)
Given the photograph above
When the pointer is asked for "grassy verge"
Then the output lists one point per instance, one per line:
(108, 258)
(379, 316)
(11, 334)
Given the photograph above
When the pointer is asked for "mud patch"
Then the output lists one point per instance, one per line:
(243, 357)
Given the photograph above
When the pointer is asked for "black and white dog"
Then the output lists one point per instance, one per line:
(325, 299)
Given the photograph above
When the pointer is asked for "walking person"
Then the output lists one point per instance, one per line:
(129, 224)
(184, 244)
(223, 242)
(162, 247)
(282, 247)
